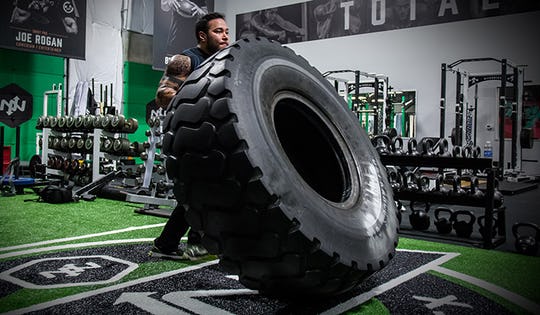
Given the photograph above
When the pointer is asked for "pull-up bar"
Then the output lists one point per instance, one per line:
(378, 78)
(460, 61)
(469, 80)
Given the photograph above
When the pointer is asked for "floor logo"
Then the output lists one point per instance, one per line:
(434, 303)
(406, 286)
(59, 272)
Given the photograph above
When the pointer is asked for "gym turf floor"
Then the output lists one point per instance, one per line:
(92, 258)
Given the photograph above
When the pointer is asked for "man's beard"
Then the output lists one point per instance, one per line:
(213, 47)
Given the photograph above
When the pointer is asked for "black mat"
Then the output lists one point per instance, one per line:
(513, 188)
(208, 290)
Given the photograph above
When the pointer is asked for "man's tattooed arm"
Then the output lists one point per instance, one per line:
(175, 74)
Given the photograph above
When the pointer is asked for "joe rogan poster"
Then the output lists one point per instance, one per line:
(52, 27)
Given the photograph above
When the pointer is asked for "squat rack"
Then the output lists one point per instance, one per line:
(381, 113)
(464, 81)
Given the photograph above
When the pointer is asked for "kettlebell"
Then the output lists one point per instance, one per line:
(427, 147)
(439, 186)
(443, 148)
(423, 183)
(477, 152)
(466, 183)
(443, 224)
(419, 218)
(381, 144)
(391, 133)
(397, 146)
(395, 179)
(463, 228)
(456, 151)
(410, 181)
(412, 147)
(475, 190)
(526, 244)
(482, 228)
(467, 152)
(457, 190)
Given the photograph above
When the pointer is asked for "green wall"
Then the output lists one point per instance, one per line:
(140, 84)
(37, 73)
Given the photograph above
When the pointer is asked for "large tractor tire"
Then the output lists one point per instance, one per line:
(277, 174)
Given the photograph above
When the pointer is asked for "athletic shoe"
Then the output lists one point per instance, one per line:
(174, 255)
(194, 251)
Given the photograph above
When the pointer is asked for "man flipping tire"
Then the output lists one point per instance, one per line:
(277, 174)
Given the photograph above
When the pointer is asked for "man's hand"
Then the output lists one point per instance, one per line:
(70, 25)
(185, 8)
(165, 92)
(19, 15)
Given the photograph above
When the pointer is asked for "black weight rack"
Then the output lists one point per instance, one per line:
(487, 202)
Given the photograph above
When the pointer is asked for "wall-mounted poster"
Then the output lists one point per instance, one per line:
(531, 112)
(49, 27)
(174, 27)
(531, 109)
(285, 24)
(321, 19)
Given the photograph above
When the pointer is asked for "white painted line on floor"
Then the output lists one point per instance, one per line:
(68, 239)
(76, 245)
(366, 296)
(502, 292)
(338, 309)
(84, 295)
(189, 300)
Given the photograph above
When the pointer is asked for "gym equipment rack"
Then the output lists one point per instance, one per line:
(464, 81)
(156, 183)
(97, 136)
(487, 202)
(380, 110)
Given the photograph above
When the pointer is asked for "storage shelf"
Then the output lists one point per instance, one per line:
(487, 201)
(95, 154)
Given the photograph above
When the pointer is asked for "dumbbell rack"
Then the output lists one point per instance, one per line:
(96, 154)
(92, 131)
(458, 163)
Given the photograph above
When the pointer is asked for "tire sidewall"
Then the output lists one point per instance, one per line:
(361, 229)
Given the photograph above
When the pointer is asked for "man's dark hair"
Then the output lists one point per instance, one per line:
(202, 23)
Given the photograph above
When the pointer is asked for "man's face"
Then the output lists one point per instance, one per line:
(270, 14)
(402, 8)
(217, 37)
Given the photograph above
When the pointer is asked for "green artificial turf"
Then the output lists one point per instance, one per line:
(506, 304)
(515, 272)
(371, 307)
(30, 222)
